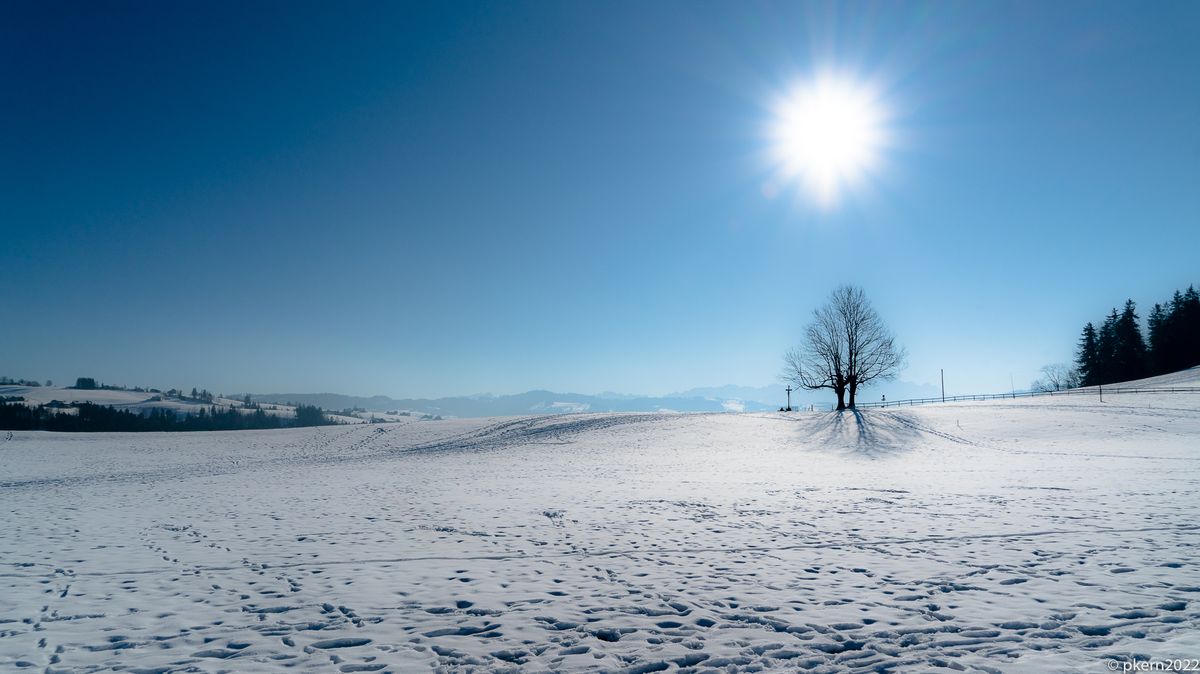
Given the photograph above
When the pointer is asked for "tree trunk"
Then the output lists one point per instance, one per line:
(841, 394)
(853, 391)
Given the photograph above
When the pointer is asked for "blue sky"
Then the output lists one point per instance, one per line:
(425, 199)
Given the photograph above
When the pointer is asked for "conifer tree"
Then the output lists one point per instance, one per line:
(1187, 338)
(1155, 345)
(1106, 343)
(1087, 357)
(1129, 349)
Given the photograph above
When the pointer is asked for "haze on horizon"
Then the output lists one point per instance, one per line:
(422, 200)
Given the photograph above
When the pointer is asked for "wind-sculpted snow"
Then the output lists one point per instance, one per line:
(1027, 535)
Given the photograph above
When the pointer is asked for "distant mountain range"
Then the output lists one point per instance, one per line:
(708, 399)
(530, 402)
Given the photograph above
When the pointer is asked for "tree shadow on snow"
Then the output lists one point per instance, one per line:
(868, 435)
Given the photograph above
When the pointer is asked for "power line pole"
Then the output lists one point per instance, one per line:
(789, 392)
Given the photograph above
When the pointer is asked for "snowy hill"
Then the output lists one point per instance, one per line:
(141, 401)
(40, 395)
(1037, 534)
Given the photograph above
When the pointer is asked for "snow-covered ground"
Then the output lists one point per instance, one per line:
(1041, 534)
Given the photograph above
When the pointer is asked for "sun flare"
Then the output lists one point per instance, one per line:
(827, 135)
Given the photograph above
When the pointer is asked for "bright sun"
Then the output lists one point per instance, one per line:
(827, 135)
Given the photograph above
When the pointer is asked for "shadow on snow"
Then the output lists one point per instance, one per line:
(869, 435)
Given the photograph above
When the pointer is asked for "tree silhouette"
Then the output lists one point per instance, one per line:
(845, 347)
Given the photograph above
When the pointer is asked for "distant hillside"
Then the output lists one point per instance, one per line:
(139, 402)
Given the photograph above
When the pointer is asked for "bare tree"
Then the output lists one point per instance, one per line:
(1057, 377)
(846, 346)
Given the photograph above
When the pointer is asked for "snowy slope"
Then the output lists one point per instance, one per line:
(1040, 534)
(1183, 378)
(44, 394)
(126, 400)
(142, 401)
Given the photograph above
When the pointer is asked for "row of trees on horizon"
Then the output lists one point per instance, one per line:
(1117, 351)
(90, 384)
(90, 417)
(8, 381)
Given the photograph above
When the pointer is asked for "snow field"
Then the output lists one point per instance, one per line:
(1037, 534)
